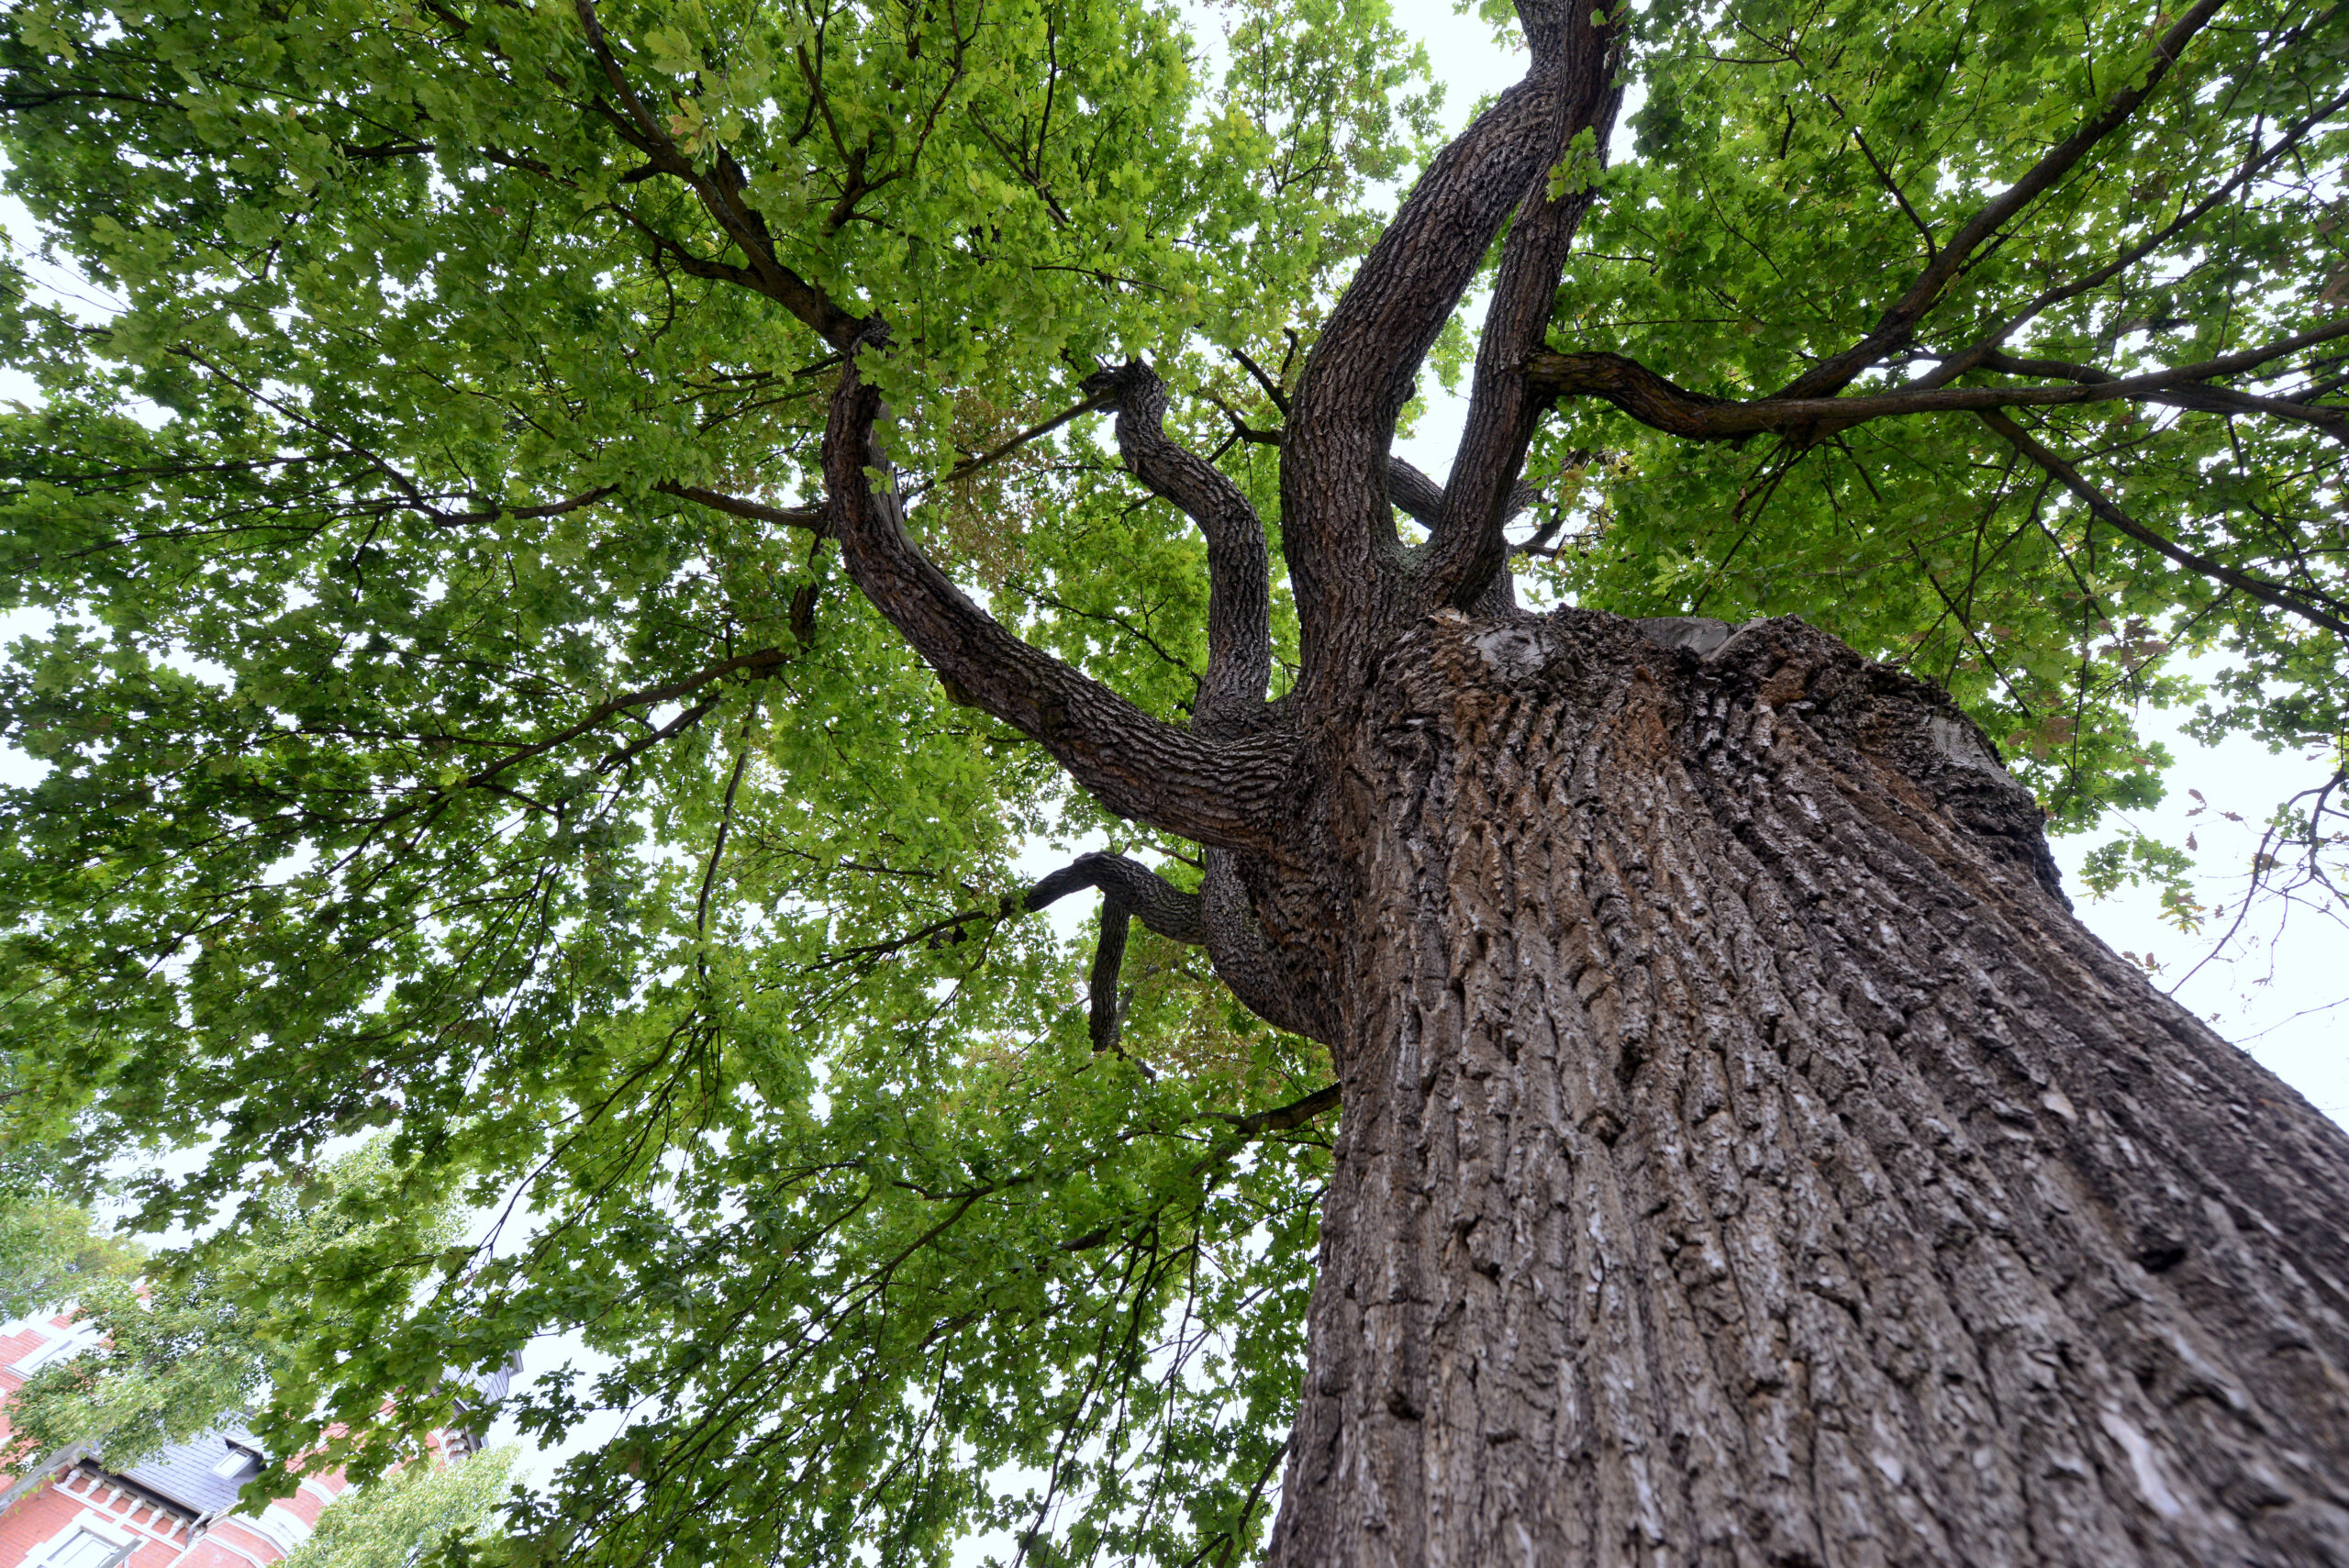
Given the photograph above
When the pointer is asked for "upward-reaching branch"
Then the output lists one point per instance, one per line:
(1338, 531)
(723, 191)
(1240, 643)
(1897, 327)
(1213, 791)
(1467, 546)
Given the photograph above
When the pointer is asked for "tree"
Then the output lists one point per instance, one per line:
(411, 1513)
(457, 720)
(192, 1337)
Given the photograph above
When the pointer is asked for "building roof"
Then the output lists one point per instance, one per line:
(190, 1473)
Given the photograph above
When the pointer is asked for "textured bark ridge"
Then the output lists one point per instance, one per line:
(1746, 1158)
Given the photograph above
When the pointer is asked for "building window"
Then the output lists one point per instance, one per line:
(82, 1547)
(60, 1344)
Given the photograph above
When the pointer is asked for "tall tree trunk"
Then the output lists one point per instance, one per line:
(1746, 1157)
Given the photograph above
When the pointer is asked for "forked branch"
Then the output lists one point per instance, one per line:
(1129, 890)
(1338, 531)
(1213, 791)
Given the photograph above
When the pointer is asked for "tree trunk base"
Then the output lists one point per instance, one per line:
(1747, 1158)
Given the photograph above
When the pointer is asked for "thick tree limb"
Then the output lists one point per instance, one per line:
(1661, 405)
(2267, 593)
(1337, 531)
(1420, 498)
(1467, 549)
(1897, 325)
(1240, 643)
(1213, 791)
(1244, 960)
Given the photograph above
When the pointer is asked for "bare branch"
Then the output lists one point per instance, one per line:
(1240, 645)
(1148, 896)
(2267, 593)
(1218, 791)
(963, 471)
(1420, 498)
(1280, 1119)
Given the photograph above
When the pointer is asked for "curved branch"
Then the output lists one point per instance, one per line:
(1240, 638)
(808, 517)
(1214, 792)
(1127, 888)
(1244, 960)
(1663, 406)
(1420, 498)
(1148, 896)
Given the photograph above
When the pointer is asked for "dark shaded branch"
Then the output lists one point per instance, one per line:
(1467, 549)
(2267, 593)
(1212, 791)
(1338, 531)
(1897, 325)
(1280, 1119)
(1420, 498)
(1663, 406)
(1128, 889)
(1244, 960)
(721, 191)
(1148, 896)
(1105, 1009)
(1240, 643)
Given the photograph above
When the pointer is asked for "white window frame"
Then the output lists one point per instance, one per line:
(89, 1523)
(57, 1344)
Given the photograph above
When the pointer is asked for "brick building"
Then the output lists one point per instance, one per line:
(177, 1509)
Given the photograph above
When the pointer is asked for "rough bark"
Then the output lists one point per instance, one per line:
(1746, 1158)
